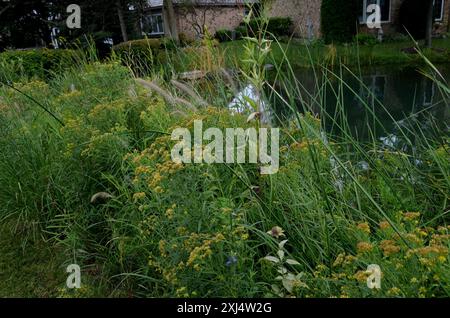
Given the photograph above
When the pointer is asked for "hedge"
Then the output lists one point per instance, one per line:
(224, 35)
(339, 20)
(138, 48)
(38, 63)
(278, 26)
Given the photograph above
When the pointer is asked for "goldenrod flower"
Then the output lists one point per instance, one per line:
(361, 276)
(389, 247)
(394, 291)
(138, 196)
(159, 189)
(339, 260)
(384, 225)
(169, 213)
(363, 247)
(364, 227)
(412, 238)
(410, 216)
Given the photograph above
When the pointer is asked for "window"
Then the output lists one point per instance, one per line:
(153, 24)
(438, 10)
(385, 6)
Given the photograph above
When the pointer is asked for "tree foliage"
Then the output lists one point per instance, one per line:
(339, 20)
(28, 23)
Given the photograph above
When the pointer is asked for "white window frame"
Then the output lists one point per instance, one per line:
(153, 16)
(442, 11)
(364, 15)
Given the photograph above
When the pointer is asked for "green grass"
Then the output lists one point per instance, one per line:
(29, 267)
(302, 55)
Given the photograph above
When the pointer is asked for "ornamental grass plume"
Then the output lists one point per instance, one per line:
(100, 198)
(152, 86)
(276, 232)
(188, 90)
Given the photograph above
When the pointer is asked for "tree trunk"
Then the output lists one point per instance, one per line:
(123, 26)
(169, 20)
(429, 30)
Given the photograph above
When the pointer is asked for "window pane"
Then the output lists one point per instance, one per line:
(361, 10)
(154, 25)
(160, 24)
(437, 14)
(385, 9)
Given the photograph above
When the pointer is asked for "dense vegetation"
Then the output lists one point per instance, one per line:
(339, 20)
(85, 166)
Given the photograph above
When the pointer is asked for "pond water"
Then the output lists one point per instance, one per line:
(374, 103)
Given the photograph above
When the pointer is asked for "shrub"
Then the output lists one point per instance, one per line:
(185, 40)
(339, 18)
(278, 26)
(241, 31)
(224, 35)
(396, 37)
(169, 44)
(139, 54)
(366, 39)
(138, 48)
(37, 63)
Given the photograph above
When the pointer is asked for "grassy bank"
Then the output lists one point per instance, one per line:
(208, 55)
(164, 229)
(306, 55)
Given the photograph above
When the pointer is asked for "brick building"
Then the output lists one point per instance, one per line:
(306, 15)
(192, 15)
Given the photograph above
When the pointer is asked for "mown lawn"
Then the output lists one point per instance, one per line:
(303, 55)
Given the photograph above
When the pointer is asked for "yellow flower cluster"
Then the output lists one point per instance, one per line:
(364, 247)
(148, 225)
(413, 238)
(364, 227)
(343, 259)
(389, 247)
(394, 291)
(411, 216)
(69, 96)
(154, 165)
(203, 251)
(431, 251)
(361, 276)
(384, 225)
(170, 212)
(142, 170)
(139, 196)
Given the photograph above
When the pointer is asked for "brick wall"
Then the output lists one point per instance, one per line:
(302, 12)
(305, 15)
(218, 17)
(443, 26)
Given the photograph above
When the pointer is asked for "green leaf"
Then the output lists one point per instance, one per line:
(272, 259)
(292, 262)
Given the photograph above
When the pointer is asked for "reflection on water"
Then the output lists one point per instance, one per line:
(373, 104)
(249, 100)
